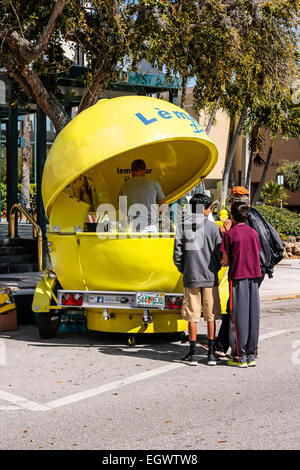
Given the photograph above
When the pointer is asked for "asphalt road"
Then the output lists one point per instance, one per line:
(92, 391)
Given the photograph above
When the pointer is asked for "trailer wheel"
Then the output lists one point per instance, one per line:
(131, 341)
(48, 324)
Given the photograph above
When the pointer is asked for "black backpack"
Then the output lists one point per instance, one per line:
(271, 245)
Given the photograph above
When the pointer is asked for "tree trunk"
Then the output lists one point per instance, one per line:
(213, 115)
(183, 93)
(232, 149)
(46, 100)
(232, 180)
(35, 89)
(26, 160)
(264, 174)
(249, 169)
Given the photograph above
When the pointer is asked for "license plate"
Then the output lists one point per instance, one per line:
(156, 300)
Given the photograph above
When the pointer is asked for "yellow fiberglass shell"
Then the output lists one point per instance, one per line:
(102, 141)
(85, 262)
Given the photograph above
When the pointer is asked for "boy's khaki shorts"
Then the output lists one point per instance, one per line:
(194, 297)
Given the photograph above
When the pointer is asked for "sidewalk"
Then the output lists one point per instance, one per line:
(285, 283)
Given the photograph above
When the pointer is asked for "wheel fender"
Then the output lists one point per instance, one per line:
(43, 294)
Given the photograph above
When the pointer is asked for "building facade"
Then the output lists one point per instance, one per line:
(284, 149)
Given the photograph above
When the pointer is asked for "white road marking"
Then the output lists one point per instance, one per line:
(9, 408)
(20, 402)
(23, 402)
(111, 386)
(276, 333)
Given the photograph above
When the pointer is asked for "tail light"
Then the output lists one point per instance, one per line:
(174, 303)
(72, 299)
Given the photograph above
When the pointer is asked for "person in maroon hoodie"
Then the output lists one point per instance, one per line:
(240, 251)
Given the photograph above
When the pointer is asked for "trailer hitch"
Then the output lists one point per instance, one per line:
(147, 318)
(105, 314)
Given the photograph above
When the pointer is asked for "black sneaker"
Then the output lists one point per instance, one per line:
(212, 359)
(190, 359)
(218, 350)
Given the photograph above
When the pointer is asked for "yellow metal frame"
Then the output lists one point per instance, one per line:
(44, 293)
(131, 321)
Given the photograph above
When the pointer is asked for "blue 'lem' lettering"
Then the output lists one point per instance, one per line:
(196, 127)
(145, 120)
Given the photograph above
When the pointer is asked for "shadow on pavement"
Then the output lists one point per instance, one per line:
(169, 347)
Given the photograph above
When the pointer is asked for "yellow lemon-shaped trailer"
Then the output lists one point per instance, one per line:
(100, 144)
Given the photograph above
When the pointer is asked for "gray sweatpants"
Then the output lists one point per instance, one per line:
(244, 319)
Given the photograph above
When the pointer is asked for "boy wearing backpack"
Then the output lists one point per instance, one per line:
(271, 253)
(240, 251)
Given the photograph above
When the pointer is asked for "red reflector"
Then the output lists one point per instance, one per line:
(174, 303)
(72, 299)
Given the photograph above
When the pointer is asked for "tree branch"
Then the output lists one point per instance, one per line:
(35, 89)
(17, 16)
(43, 42)
(15, 73)
(199, 8)
(21, 46)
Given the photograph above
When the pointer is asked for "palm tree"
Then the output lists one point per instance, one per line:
(291, 173)
(274, 194)
(280, 118)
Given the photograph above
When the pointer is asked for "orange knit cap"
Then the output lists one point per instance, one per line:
(239, 193)
(240, 190)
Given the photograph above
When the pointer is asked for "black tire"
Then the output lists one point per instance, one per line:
(48, 324)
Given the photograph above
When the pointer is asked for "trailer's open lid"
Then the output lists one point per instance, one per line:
(102, 141)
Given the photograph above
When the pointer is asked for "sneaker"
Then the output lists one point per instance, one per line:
(219, 350)
(251, 364)
(211, 360)
(234, 363)
(190, 359)
(219, 353)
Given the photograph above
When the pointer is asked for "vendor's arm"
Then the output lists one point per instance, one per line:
(162, 201)
(160, 198)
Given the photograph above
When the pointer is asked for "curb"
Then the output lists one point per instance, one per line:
(283, 297)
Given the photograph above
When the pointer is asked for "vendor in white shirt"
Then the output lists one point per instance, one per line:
(145, 192)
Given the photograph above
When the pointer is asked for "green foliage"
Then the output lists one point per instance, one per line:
(273, 193)
(234, 50)
(284, 221)
(103, 30)
(29, 18)
(291, 173)
(32, 190)
(3, 197)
